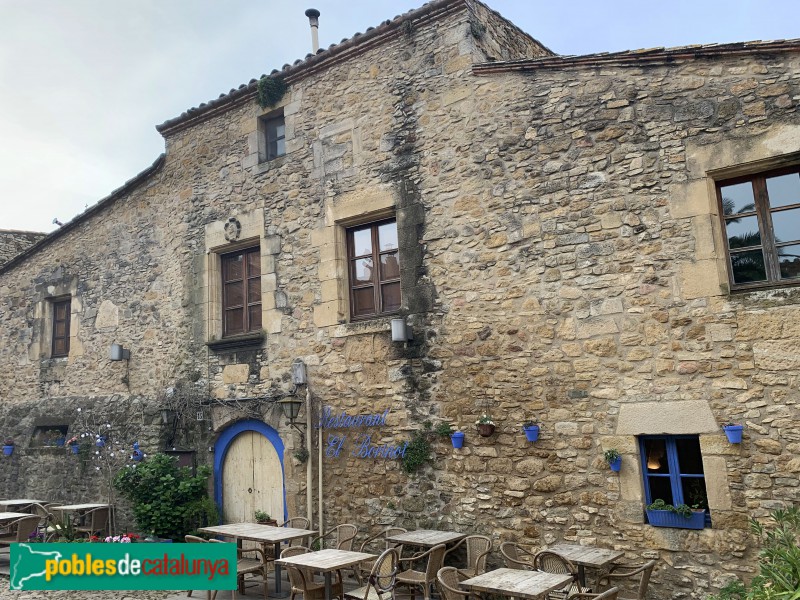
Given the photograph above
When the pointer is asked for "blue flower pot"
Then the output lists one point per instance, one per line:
(616, 464)
(60, 442)
(734, 433)
(137, 455)
(457, 438)
(667, 518)
(100, 442)
(531, 432)
(74, 448)
(8, 450)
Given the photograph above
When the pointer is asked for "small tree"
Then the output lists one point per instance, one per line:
(168, 501)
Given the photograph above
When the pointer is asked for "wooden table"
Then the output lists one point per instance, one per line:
(327, 561)
(22, 502)
(12, 516)
(266, 534)
(79, 508)
(426, 537)
(586, 556)
(518, 583)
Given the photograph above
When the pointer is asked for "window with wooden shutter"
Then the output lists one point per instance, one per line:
(241, 292)
(61, 316)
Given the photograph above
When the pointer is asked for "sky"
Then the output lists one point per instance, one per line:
(83, 83)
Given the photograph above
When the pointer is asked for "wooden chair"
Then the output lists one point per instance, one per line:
(639, 575)
(448, 580)
(425, 578)
(193, 539)
(95, 522)
(550, 562)
(609, 594)
(478, 548)
(516, 556)
(365, 568)
(343, 534)
(19, 530)
(249, 566)
(302, 580)
(382, 578)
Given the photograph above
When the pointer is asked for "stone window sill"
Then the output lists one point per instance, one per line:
(238, 342)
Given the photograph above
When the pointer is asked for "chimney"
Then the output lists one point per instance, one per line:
(313, 20)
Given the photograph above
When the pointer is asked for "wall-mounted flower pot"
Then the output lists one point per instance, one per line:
(100, 442)
(137, 455)
(616, 464)
(485, 429)
(531, 432)
(734, 433)
(60, 442)
(667, 518)
(74, 448)
(457, 438)
(8, 450)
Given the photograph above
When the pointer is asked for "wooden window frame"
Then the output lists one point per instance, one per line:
(270, 135)
(248, 302)
(55, 305)
(375, 255)
(675, 475)
(763, 214)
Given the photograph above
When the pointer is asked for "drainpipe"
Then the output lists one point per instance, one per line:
(319, 491)
(309, 462)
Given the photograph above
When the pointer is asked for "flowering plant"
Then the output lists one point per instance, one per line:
(73, 441)
(8, 442)
(484, 420)
(125, 538)
(529, 422)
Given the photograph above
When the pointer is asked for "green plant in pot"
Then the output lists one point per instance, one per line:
(531, 430)
(485, 425)
(613, 458)
(264, 518)
(681, 516)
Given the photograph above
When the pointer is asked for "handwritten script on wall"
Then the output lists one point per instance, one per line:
(363, 446)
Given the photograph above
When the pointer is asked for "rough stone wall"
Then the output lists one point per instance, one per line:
(558, 258)
(14, 242)
(504, 40)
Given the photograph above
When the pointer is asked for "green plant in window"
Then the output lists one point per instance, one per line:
(681, 509)
(270, 91)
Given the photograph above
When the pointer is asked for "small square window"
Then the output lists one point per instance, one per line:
(241, 292)
(761, 227)
(273, 129)
(374, 265)
(61, 323)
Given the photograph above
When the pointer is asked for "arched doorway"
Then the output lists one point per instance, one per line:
(248, 472)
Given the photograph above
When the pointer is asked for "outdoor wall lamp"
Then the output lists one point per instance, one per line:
(401, 331)
(291, 407)
(117, 352)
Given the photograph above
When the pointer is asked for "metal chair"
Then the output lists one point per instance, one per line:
(425, 578)
(365, 568)
(550, 562)
(249, 566)
(516, 556)
(19, 530)
(302, 580)
(343, 534)
(382, 578)
(618, 574)
(609, 594)
(448, 580)
(478, 548)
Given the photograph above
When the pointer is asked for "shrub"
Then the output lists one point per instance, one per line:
(167, 501)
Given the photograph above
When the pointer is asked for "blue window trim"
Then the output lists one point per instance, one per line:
(675, 476)
(221, 449)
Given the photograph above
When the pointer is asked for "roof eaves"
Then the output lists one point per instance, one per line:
(639, 57)
(323, 59)
(129, 186)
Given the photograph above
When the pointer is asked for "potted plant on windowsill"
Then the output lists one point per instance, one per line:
(485, 425)
(613, 458)
(734, 432)
(8, 447)
(264, 518)
(661, 514)
(531, 430)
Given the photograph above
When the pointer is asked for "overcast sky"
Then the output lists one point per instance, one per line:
(84, 82)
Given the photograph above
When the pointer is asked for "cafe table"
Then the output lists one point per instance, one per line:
(326, 562)
(586, 556)
(426, 537)
(264, 534)
(19, 503)
(12, 516)
(518, 583)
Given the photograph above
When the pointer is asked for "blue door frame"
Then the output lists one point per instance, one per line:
(221, 449)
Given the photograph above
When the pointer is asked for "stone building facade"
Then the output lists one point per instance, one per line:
(14, 242)
(562, 257)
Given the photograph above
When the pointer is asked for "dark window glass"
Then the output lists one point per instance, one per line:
(275, 133)
(241, 292)
(673, 470)
(61, 316)
(761, 215)
(374, 291)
